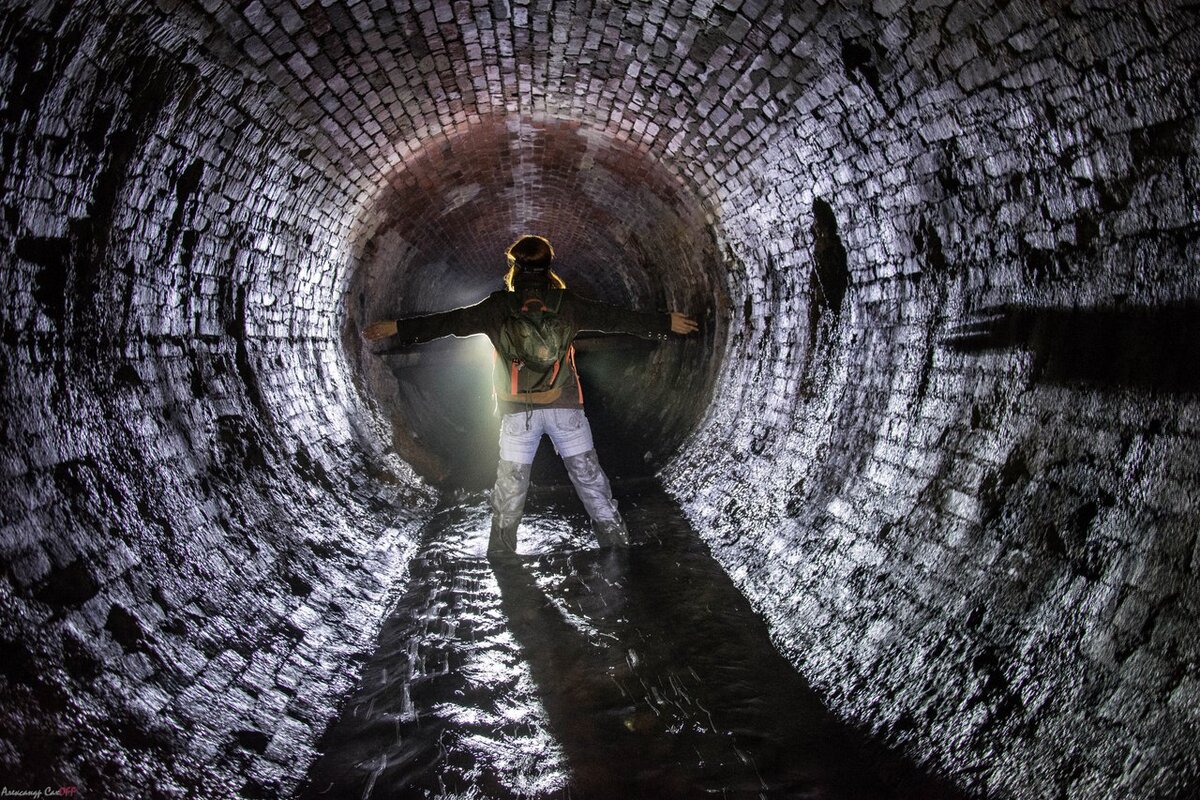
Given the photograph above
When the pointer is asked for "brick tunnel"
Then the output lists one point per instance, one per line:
(938, 428)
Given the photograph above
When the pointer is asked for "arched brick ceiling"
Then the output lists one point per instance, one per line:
(960, 490)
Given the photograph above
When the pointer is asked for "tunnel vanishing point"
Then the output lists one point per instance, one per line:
(940, 426)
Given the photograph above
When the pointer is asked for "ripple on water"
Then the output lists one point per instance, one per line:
(575, 672)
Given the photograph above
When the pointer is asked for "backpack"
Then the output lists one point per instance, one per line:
(534, 342)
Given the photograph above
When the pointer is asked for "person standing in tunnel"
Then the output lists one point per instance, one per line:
(532, 323)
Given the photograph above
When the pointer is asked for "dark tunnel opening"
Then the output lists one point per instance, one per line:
(625, 232)
(939, 430)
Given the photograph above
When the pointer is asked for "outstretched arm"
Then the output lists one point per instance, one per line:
(411, 330)
(595, 316)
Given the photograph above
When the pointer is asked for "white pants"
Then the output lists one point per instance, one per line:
(521, 432)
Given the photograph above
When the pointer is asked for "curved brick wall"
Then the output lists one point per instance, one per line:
(946, 253)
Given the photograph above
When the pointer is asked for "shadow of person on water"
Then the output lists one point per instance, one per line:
(577, 662)
(659, 680)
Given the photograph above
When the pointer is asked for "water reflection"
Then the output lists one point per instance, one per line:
(572, 672)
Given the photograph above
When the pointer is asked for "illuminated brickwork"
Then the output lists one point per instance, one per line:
(912, 430)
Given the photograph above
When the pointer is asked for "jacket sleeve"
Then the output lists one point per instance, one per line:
(465, 321)
(591, 315)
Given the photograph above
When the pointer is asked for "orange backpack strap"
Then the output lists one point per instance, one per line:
(514, 393)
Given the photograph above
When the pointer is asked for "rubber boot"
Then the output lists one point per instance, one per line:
(508, 504)
(611, 533)
(591, 484)
(502, 543)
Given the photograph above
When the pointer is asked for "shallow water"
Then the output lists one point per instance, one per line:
(573, 672)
